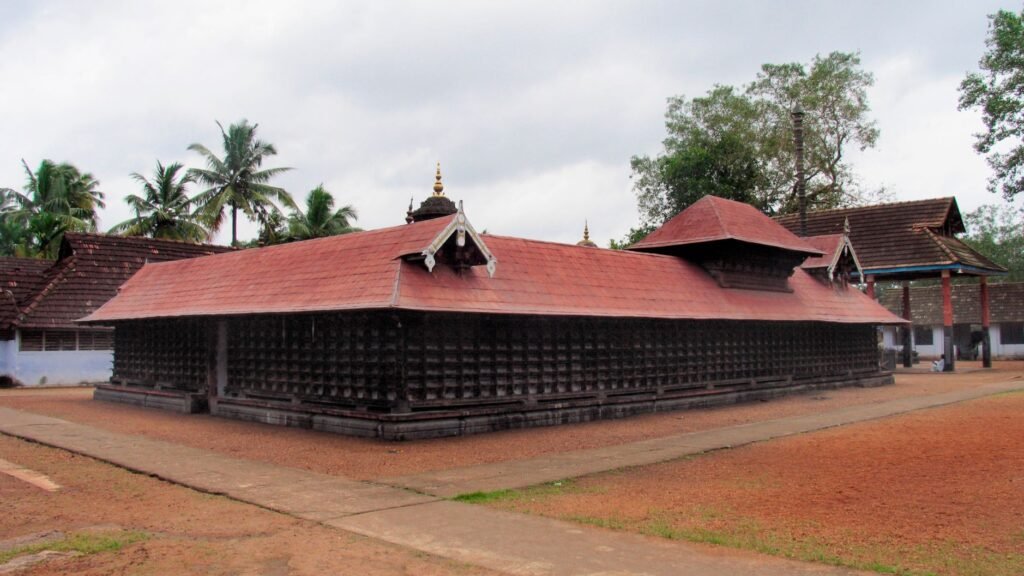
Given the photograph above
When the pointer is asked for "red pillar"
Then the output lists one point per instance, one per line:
(986, 340)
(908, 329)
(947, 320)
(871, 287)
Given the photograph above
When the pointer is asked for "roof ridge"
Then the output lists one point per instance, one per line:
(565, 245)
(947, 199)
(942, 246)
(718, 215)
(141, 239)
(64, 267)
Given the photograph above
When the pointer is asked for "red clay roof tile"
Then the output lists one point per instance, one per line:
(89, 271)
(899, 235)
(712, 219)
(366, 271)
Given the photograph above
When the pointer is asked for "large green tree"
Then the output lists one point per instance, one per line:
(998, 232)
(57, 198)
(237, 181)
(320, 219)
(738, 142)
(998, 91)
(164, 210)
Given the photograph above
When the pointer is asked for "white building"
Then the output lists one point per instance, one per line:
(1006, 313)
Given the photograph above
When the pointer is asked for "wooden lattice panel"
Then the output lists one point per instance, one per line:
(340, 359)
(164, 353)
(469, 359)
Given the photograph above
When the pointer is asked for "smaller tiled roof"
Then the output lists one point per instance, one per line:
(1006, 303)
(713, 219)
(23, 277)
(906, 237)
(89, 270)
(828, 244)
(20, 278)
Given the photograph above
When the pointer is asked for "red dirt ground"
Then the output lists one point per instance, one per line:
(188, 532)
(369, 459)
(938, 490)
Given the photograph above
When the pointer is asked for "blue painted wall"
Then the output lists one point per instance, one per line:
(55, 368)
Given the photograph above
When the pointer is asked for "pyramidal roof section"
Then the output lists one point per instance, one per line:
(713, 219)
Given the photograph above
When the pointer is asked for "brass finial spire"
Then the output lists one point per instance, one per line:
(586, 236)
(438, 186)
(408, 215)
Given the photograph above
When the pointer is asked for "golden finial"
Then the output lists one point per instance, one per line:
(586, 236)
(438, 186)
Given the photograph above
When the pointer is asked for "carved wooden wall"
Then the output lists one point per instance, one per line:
(164, 353)
(383, 361)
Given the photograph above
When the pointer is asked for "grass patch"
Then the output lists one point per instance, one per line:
(749, 536)
(513, 495)
(83, 542)
(486, 497)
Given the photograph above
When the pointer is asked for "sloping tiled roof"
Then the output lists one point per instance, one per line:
(713, 219)
(20, 278)
(23, 277)
(1006, 303)
(827, 244)
(900, 235)
(367, 271)
(89, 270)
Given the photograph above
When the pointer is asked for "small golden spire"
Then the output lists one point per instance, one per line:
(438, 186)
(586, 236)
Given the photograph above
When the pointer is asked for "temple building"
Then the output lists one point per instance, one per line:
(908, 241)
(40, 342)
(430, 329)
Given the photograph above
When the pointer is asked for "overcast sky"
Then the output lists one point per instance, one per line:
(533, 108)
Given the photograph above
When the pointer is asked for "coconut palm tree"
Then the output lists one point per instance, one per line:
(236, 181)
(58, 198)
(164, 210)
(320, 218)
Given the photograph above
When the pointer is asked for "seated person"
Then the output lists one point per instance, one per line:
(940, 364)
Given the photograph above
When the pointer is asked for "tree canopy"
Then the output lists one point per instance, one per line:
(320, 218)
(57, 198)
(998, 91)
(237, 180)
(998, 232)
(737, 142)
(165, 209)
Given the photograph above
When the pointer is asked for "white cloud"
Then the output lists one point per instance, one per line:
(533, 108)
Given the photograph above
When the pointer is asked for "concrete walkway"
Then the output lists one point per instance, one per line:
(513, 543)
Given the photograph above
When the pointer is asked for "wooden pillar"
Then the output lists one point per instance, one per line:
(947, 321)
(871, 286)
(908, 329)
(986, 339)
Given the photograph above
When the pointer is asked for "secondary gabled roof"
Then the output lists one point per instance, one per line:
(833, 246)
(88, 271)
(713, 219)
(376, 270)
(902, 239)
